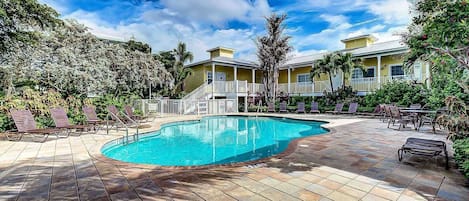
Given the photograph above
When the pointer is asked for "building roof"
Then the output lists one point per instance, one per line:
(379, 48)
(384, 48)
(220, 47)
(227, 61)
(304, 60)
(359, 37)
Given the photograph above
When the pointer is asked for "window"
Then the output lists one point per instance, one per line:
(370, 72)
(303, 78)
(357, 73)
(418, 71)
(209, 77)
(397, 70)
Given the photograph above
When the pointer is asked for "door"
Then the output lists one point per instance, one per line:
(337, 80)
(221, 76)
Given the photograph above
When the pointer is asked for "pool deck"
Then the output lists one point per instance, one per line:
(356, 161)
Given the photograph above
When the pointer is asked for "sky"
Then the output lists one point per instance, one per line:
(314, 25)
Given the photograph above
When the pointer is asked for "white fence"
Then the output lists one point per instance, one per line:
(181, 107)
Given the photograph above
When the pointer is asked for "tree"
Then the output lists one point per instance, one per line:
(346, 63)
(179, 71)
(21, 22)
(439, 33)
(137, 46)
(71, 60)
(272, 50)
(326, 65)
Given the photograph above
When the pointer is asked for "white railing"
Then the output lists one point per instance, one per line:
(369, 84)
(179, 106)
(321, 86)
(255, 88)
(283, 87)
(364, 84)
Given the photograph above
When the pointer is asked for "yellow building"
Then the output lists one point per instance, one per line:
(237, 78)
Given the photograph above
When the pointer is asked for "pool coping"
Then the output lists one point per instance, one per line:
(291, 148)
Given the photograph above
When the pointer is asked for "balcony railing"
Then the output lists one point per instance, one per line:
(369, 84)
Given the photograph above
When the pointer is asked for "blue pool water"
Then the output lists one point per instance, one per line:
(214, 140)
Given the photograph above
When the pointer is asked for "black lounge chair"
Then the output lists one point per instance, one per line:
(423, 147)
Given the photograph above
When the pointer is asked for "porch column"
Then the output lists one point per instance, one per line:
(253, 81)
(289, 79)
(236, 79)
(312, 83)
(379, 71)
(213, 81)
(427, 73)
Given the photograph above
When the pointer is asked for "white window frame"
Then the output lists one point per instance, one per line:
(303, 83)
(418, 77)
(398, 64)
(351, 75)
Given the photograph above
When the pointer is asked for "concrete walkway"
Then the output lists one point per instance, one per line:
(356, 161)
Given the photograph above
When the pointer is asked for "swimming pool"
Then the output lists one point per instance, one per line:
(214, 140)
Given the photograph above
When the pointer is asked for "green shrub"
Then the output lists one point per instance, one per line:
(461, 155)
(399, 92)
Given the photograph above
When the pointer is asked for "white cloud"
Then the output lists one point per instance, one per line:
(163, 35)
(392, 11)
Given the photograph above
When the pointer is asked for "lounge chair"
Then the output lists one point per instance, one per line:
(338, 108)
(92, 118)
(314, 107)
(301, 107)
(25, 124)
(397, 116)
(423, 147)
(61, 121)
(283, 107)
(130, 113)
(270, 107)
(352, 109)
(119, 117)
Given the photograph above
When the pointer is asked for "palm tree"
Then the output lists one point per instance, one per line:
(327, 66)
(345, 63)
(178, 70)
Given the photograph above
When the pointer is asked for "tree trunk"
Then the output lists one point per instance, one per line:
(330, 80)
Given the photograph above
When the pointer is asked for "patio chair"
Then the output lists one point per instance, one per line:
(352, 109)
(314, 107)
(424, 147)
(397, 116)
(283, 107)
(301, 107)
(270, 107)
(25, 124)
(92, 119)
(338, 109)
(431, 119)
(61, 121)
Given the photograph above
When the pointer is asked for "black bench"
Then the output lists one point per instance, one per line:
(423, 147)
